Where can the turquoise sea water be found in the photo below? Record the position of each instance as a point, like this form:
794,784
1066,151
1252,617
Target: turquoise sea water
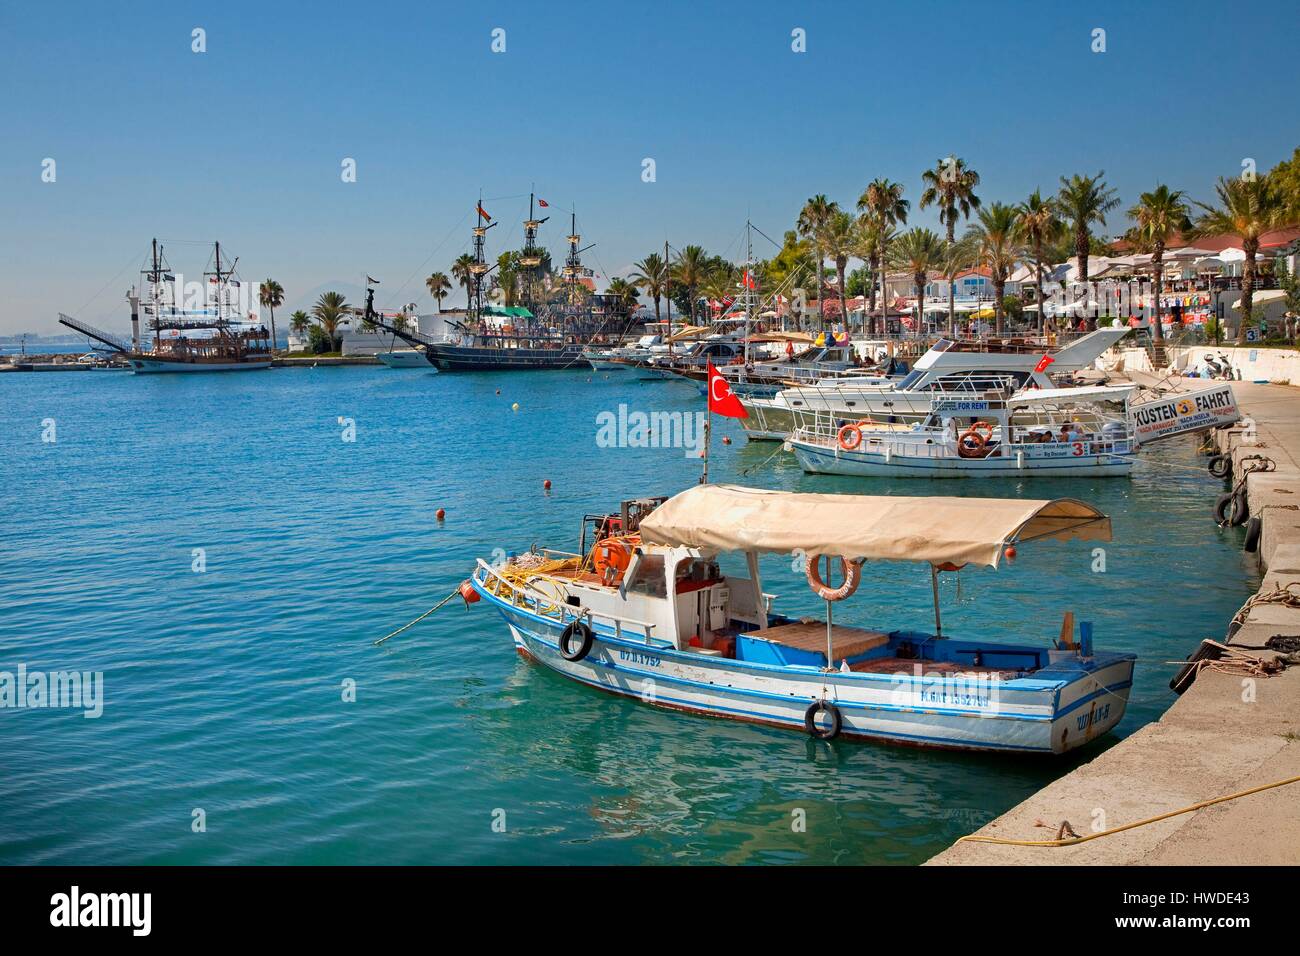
224,689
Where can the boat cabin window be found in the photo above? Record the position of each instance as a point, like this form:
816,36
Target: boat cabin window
648,578
909,380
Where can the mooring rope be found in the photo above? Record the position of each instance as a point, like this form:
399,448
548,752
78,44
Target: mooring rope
1074,840
454,592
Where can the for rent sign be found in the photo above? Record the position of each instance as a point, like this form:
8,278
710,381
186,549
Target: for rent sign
1186,412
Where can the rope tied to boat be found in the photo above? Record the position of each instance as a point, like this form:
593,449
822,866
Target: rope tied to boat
454,592
1284,594
1065,828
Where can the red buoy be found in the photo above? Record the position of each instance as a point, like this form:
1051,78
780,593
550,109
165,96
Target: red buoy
1011,552
440,514
546,485
467,593
726,439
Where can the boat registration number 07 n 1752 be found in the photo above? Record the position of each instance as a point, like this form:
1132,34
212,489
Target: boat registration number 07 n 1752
1094,716
636,657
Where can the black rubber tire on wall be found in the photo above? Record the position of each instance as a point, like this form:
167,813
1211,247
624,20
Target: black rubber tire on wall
1222,509
1220,466
810,720
582,631
1240,510
1253,528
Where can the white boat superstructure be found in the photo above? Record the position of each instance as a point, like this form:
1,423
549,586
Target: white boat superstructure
618,359
952,368
648,613
1034,433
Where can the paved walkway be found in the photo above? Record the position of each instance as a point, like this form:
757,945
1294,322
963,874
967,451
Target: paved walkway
1216,739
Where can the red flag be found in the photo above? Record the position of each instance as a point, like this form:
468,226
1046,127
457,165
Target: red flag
543,203
722,400
1043,362
483,212
749,282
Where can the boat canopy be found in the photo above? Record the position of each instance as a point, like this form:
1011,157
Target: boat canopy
690,332
1082,393
937,530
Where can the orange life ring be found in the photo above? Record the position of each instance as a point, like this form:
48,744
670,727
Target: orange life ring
972,441
612,555
852,571
853,432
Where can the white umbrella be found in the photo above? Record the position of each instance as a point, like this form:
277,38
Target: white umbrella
1263,297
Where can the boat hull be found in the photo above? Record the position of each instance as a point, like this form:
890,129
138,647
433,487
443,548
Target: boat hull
464,358
409,358
145,365
819,459
1053,713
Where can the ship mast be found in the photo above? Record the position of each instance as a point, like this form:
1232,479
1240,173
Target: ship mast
530,257
479,268
154,275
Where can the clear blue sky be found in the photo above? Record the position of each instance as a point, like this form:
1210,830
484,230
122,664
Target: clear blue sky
244,142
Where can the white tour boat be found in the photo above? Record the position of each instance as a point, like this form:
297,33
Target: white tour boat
648,613
1041,432
405,358
958,368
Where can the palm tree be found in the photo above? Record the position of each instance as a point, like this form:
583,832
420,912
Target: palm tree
996,234
1083,201
813,219
1247,209
951,187
461,270
918,251
841,239
1037,224
960,256
624,292
439,286
884,207
271,294
328,311
651,277
298,322
1160,215
691,270
507,278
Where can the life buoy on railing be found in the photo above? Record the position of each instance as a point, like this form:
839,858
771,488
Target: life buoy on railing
852,571
972,441
850,436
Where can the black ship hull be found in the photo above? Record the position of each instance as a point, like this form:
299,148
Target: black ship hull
476,358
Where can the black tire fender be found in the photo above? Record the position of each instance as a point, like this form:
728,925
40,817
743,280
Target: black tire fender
1222,509
582,631
1240,510
1253,528
810,720
1220,466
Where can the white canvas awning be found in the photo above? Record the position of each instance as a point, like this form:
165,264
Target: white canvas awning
935,530
1089,393
1263,297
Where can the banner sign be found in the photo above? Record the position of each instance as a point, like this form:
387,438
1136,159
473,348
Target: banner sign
1185,412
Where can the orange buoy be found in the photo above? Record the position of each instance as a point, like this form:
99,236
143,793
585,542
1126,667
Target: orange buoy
1011,552
726,439
468,593
546,485
440,514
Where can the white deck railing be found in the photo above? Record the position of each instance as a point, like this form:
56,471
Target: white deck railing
549,606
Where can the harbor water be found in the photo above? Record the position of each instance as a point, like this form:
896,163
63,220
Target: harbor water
225,549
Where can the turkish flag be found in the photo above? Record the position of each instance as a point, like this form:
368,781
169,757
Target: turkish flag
1043,362
722,400
543,203
483,212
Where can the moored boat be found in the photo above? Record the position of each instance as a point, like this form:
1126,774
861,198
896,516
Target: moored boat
1038,433
648,613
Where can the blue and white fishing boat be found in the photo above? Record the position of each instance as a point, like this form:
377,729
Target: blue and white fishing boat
647,612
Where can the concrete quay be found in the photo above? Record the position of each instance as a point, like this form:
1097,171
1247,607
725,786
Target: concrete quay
1225,734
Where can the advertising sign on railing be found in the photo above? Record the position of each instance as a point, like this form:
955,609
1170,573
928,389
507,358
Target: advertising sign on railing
1185,412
